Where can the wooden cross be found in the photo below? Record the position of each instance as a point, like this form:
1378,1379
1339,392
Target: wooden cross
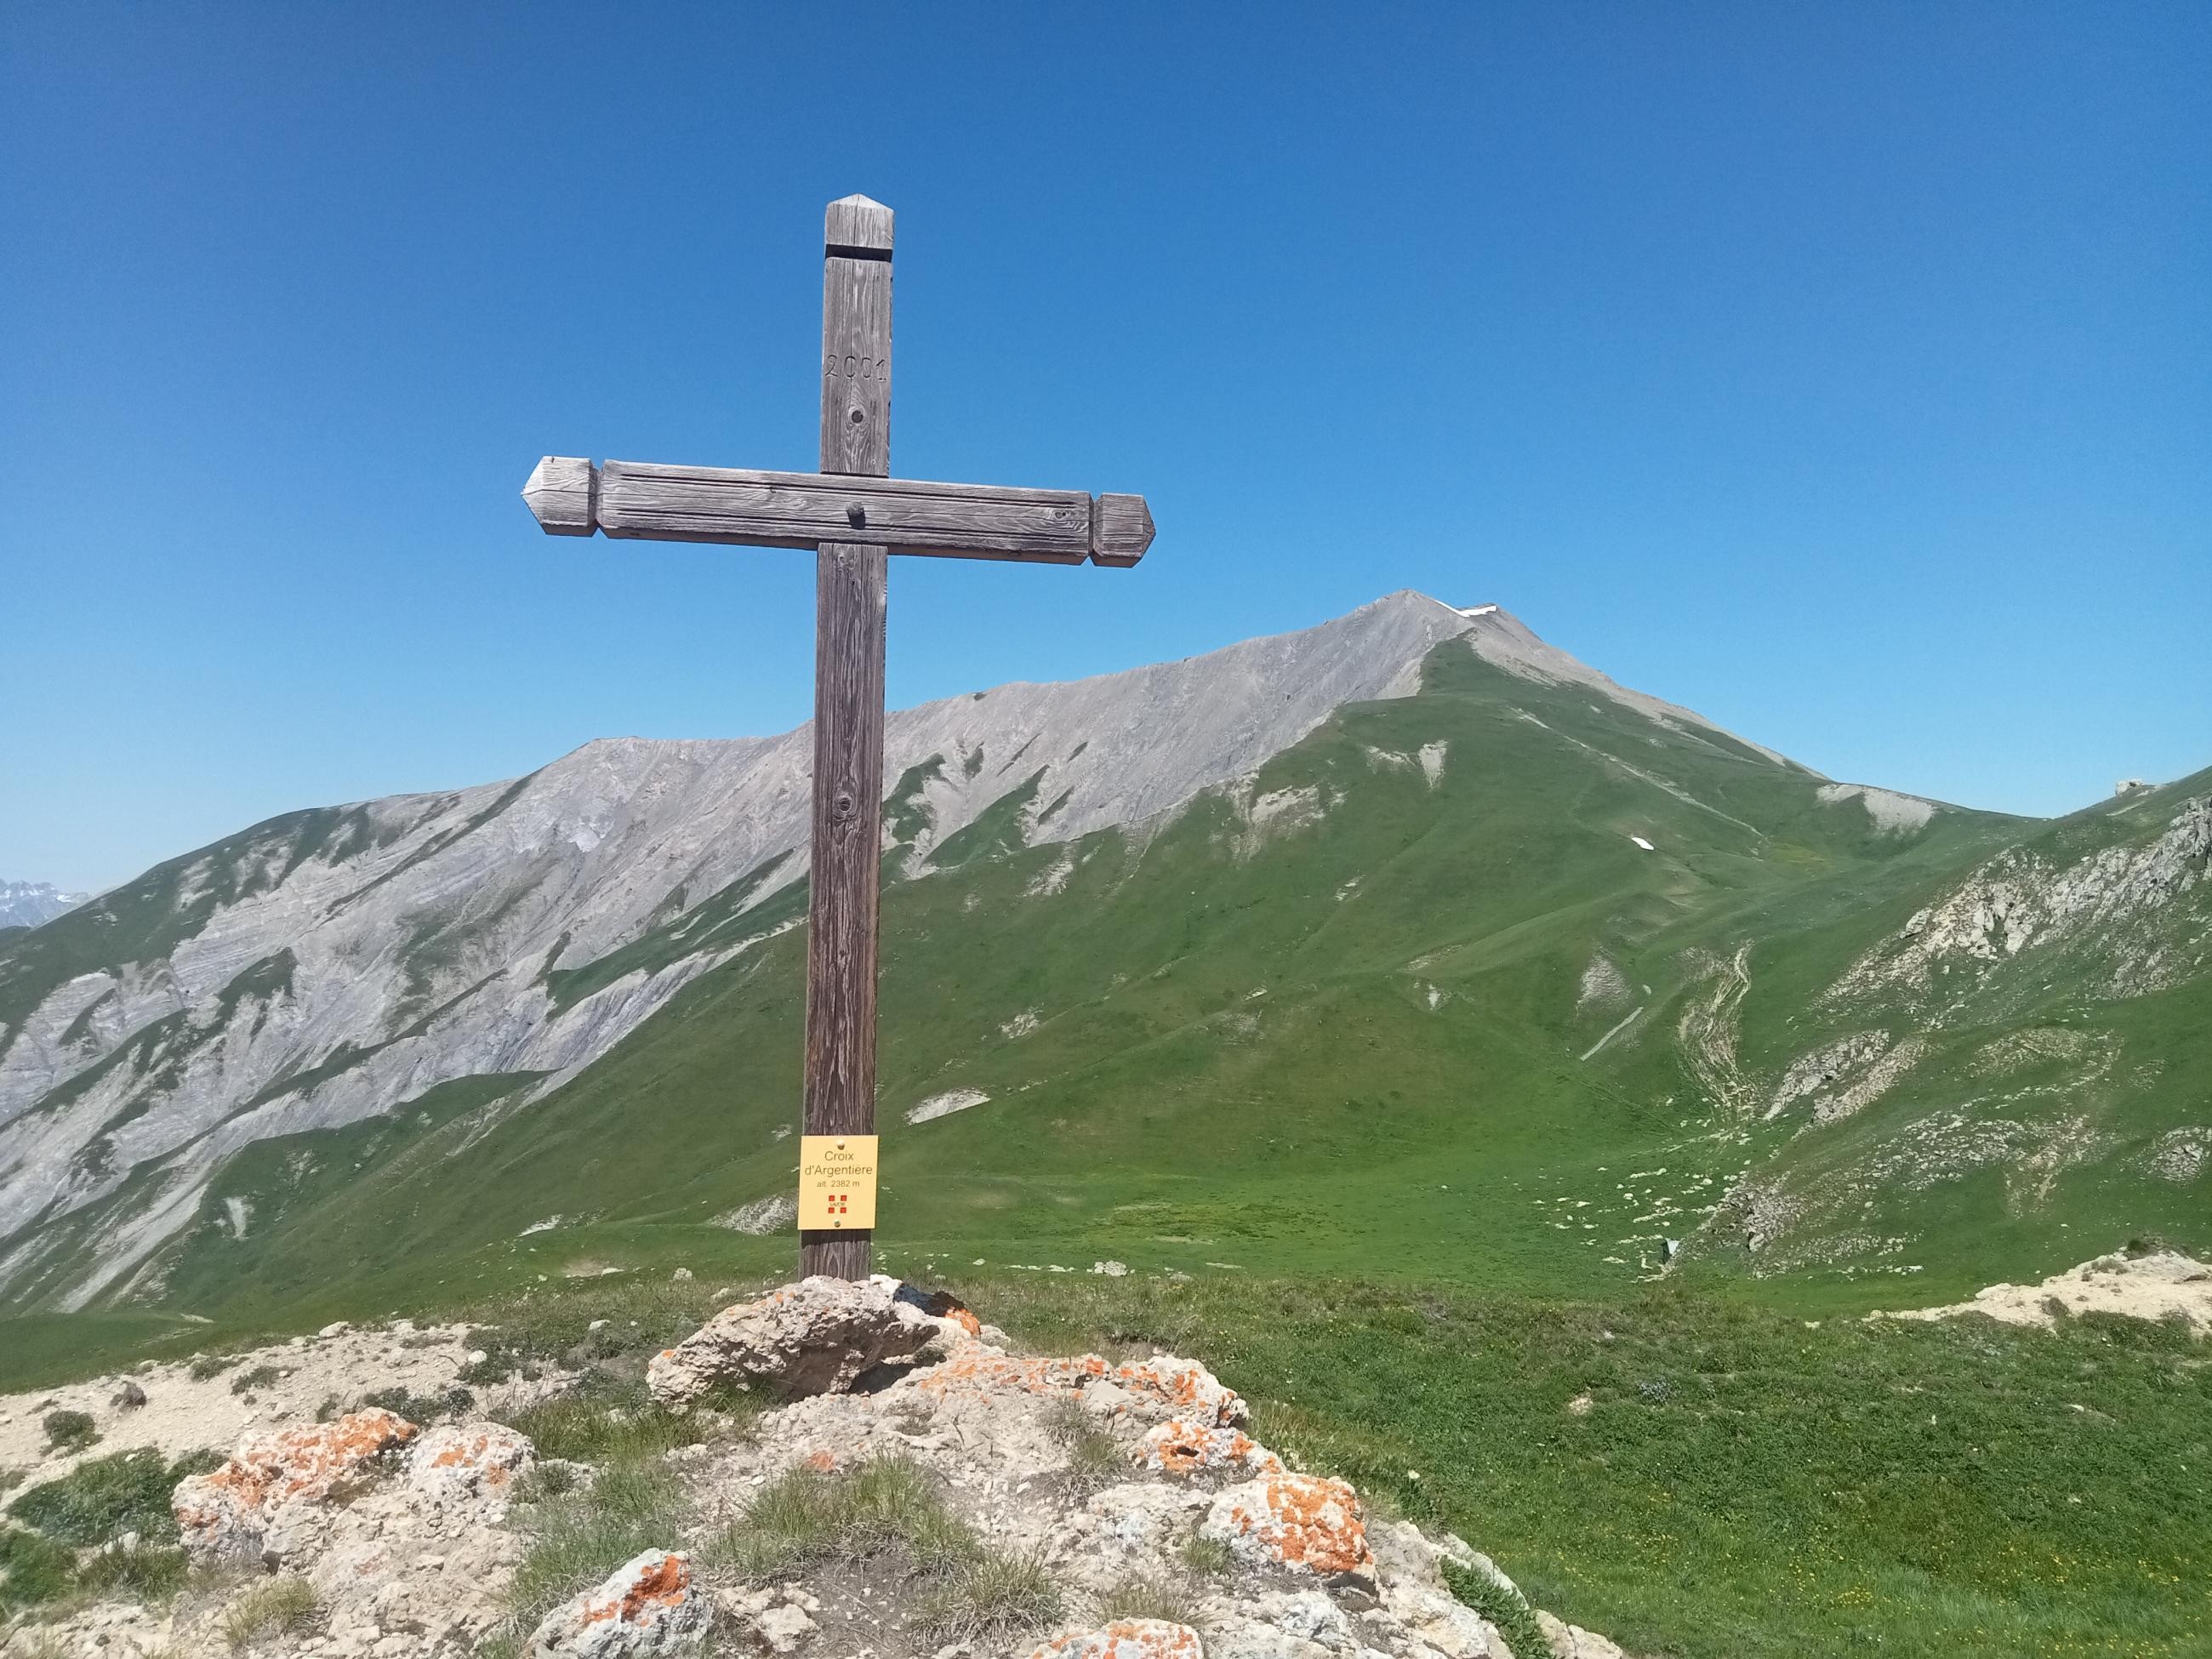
853,513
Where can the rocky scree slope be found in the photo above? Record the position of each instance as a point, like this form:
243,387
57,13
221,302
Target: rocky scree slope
324,969
921,1494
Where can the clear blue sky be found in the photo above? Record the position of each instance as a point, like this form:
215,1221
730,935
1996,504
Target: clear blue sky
1840,371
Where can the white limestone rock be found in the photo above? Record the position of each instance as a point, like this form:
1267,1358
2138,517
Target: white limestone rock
647,1608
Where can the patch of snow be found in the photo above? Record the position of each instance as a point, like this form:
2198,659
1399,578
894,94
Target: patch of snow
1020,1025
1644,844
1432,763
241,1211
1591,1052
544,1226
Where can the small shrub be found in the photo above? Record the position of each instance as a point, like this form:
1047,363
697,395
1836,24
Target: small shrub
283,1606
11,1478
206,1365
331,1410
259,1378
1514,1618
69,1431
104,1497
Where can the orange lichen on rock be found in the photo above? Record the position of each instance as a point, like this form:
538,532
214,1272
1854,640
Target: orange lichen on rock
1181,1447
1125,1638
646,1605
223,1511
821,1462
1301,1520
478,1460
644,1591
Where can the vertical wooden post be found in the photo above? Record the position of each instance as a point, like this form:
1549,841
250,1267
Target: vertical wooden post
849,709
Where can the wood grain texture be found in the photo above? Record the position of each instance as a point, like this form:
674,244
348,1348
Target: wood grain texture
1120,529
563,494
856,366
647,501
849,736
857,224
848,834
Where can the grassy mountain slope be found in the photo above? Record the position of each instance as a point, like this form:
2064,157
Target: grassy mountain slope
1412,1001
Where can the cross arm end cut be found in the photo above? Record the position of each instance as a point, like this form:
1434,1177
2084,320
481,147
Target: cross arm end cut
563,495
1121,529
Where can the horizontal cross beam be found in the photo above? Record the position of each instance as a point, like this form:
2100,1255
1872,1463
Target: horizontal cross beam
642,501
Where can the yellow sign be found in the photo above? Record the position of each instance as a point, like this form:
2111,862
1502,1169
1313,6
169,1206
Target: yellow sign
837,1182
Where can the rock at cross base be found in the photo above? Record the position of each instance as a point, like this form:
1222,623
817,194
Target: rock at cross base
818,1336
1125,1638
646,1609
1308,1520
227,1514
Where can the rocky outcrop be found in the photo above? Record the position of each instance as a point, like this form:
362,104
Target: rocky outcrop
1309,1522
232,1514
2107,907
1128,1501
818,1336
2157,1285
471,1464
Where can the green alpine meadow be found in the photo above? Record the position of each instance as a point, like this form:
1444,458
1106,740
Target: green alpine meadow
1521,1090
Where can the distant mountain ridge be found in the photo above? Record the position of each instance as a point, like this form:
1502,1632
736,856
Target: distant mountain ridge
320,967
29,904
1111,905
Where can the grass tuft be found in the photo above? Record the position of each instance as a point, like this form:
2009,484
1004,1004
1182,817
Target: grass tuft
144,1572
577,1539
101,1499
1094,1456
259,1378
454,1402
69,1431
33,1570
1167,1596
585,1429
991,1597
806,1518
1514,1618
285,1606
1208,1558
